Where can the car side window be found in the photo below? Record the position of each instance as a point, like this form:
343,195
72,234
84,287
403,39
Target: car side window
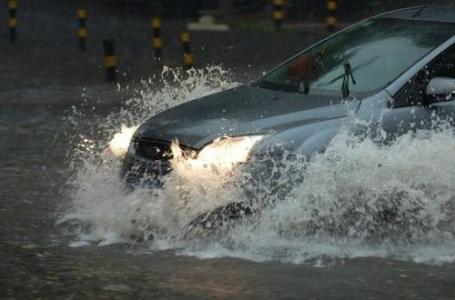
413,93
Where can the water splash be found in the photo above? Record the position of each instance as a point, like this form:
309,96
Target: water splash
119,144
100,203
359,198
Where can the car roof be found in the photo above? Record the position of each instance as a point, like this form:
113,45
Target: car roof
433,13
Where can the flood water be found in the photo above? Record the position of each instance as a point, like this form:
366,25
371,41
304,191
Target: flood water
66,219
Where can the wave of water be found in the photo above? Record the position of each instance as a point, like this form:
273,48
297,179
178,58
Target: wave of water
359,198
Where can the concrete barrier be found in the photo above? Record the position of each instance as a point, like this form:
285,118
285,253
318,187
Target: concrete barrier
185,38
278,13
12,21
110,60
157,40
331,20
82,31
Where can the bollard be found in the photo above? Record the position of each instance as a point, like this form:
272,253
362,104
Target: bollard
157,41
12,21
110,61
187,56
331,21
278,13
82,31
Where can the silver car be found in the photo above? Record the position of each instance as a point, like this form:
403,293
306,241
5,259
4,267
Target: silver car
395,71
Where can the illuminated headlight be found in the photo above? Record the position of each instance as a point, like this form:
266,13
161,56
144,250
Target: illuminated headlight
120,143
132,148
228,150
222,154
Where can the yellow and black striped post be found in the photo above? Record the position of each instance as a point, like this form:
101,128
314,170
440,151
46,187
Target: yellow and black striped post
157,40
278,13
82,31
331,20
185,37
110,60
12,21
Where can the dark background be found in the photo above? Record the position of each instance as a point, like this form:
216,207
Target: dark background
308,9
46,52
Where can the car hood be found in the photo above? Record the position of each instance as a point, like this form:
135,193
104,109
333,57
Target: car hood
243,110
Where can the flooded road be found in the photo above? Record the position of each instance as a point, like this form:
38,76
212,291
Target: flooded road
42,259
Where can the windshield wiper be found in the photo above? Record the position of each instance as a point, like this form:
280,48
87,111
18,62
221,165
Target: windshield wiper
423,8
346,76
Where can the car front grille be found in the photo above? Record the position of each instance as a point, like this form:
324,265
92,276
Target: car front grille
150,161
153,150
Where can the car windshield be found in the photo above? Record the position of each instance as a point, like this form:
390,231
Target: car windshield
376,51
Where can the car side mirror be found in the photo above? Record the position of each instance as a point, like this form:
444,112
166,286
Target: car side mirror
441,86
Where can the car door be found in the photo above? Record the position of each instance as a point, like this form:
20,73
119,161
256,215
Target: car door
443,66
412,109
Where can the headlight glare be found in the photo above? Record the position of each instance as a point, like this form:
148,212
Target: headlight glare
227,151
221,154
